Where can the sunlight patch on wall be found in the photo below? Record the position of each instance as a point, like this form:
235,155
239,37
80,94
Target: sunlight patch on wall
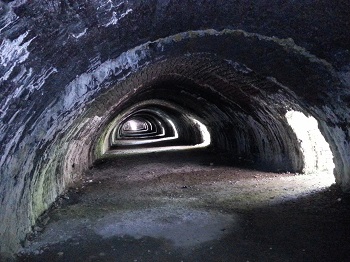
318,158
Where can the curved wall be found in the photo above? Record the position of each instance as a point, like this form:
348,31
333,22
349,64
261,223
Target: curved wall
68,67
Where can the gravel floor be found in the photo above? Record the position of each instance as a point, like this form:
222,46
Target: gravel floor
193,207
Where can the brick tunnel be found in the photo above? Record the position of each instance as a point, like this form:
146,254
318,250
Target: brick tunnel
88,82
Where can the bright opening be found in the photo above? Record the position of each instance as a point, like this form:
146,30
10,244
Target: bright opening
318,158
205,135
134,125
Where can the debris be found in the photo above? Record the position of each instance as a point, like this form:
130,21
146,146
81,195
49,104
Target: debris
26,243
37,252
45,221
38,229
65,197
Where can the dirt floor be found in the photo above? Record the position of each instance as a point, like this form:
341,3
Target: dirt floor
193,207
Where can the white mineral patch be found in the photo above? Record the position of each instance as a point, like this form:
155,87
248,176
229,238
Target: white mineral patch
18,3
8,20
39,81
27,81
116,17
109,5
80,89
80,34
239,67
13,53
10,17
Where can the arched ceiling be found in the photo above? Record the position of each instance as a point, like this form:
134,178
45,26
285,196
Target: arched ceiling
70,68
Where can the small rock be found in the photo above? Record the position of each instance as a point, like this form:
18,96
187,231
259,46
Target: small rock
26,243
60,254
45,221
102,254
38,229
339,199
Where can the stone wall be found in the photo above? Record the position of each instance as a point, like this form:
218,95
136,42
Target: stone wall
68,67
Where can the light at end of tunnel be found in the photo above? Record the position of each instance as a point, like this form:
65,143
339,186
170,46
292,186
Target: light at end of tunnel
205,141
318,158
134,125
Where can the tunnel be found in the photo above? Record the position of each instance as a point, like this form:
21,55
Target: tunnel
83,83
